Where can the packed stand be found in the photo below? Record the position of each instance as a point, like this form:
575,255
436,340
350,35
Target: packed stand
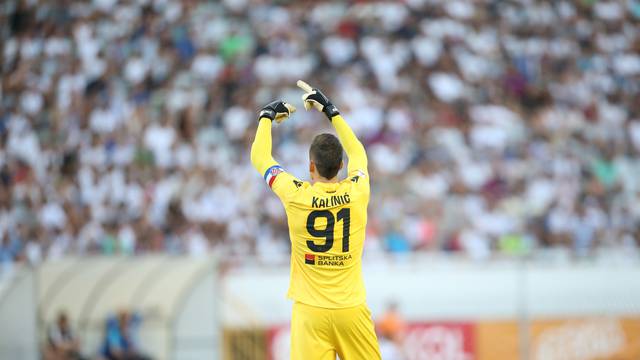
492,127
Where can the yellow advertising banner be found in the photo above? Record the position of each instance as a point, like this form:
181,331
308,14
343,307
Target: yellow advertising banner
594,338
497,340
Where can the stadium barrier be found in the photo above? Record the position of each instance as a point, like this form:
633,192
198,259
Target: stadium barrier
454,309
578,338
464,310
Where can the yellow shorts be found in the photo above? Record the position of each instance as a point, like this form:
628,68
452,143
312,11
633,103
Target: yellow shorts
319,333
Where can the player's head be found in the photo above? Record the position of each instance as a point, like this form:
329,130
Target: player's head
325,157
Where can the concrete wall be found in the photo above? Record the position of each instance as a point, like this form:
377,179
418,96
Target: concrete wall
432,289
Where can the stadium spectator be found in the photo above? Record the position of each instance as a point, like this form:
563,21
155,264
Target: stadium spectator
493,127
120,341
391,329
62,343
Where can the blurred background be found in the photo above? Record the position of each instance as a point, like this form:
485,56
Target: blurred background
503,141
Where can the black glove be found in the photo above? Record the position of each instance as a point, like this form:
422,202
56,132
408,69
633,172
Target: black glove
277,110
315,98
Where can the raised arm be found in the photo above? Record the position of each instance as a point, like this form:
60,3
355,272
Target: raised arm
261,157
352,146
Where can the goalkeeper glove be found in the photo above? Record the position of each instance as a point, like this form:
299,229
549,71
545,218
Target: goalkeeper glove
315,98
277,110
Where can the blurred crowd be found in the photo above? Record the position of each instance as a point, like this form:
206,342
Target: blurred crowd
492,127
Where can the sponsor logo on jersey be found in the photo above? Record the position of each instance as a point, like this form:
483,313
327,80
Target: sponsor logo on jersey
333,260
309,259
326,260
271,173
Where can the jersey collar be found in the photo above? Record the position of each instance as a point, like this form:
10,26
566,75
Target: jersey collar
326,186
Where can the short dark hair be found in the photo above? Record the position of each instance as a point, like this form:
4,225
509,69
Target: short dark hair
326,153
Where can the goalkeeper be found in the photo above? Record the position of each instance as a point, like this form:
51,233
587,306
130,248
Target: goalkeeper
327,218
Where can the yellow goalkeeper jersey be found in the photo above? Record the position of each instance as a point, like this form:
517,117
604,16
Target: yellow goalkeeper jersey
327,223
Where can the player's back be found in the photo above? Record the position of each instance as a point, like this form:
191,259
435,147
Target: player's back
327,225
